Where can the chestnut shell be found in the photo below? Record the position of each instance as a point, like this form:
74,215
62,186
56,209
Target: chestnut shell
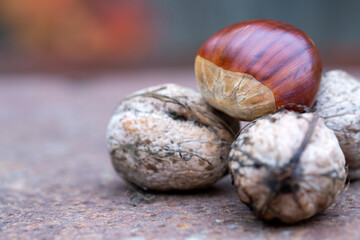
280,56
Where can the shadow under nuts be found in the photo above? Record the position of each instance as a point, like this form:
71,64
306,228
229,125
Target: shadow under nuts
167,138
288,166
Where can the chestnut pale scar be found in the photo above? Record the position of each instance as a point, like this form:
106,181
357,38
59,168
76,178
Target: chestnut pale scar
235,93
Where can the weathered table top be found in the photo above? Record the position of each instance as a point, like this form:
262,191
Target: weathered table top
56,179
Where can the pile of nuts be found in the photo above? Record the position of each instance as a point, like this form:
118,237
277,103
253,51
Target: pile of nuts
289,163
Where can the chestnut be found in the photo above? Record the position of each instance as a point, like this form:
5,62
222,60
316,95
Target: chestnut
253,68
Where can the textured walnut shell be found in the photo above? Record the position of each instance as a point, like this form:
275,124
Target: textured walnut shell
339,104
252,68
167,138
288,166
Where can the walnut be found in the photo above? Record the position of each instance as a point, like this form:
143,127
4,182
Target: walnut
339,104
167,138
288,166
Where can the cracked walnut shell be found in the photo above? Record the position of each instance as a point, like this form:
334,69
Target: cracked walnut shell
167,138
288,166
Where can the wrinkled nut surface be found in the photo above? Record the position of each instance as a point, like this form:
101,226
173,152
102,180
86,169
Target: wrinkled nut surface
287,166
339,104
167,138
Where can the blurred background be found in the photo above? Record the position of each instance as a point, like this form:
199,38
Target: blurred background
64,66
117,35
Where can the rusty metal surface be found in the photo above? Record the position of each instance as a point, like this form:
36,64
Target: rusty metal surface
56,179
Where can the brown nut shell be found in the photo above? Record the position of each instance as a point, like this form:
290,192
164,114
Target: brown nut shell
288,166
339,104
167,138
279,56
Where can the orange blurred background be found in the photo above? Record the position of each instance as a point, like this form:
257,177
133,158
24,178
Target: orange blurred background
78,32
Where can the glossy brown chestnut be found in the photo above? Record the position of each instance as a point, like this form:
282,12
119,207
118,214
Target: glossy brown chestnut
252,68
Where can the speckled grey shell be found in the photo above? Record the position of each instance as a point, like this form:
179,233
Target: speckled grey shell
167,138
283,172
339,104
